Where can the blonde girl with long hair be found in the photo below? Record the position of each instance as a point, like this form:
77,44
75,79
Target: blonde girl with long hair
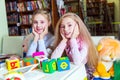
73,38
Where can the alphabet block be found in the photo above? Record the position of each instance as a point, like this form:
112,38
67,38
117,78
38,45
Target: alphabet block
29,61
40,59
49,66
63,63
12,64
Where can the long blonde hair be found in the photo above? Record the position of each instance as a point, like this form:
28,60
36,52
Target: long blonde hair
84,35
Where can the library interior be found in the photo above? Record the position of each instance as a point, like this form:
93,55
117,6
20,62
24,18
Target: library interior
17,20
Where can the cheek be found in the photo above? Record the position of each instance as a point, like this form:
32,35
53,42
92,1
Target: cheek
62,30
71,29
35,29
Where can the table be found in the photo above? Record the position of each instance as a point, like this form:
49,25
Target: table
75,73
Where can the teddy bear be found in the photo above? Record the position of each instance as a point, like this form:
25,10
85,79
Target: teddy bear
108,52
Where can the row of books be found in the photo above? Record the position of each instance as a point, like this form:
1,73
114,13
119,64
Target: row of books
13,31
39,4
13,18
26,31
26,19
11,6
27,6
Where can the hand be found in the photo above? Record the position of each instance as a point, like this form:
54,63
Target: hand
75,32
64,39
44,33
35,34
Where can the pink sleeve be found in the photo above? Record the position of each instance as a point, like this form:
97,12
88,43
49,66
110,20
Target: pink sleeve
78,56
59,50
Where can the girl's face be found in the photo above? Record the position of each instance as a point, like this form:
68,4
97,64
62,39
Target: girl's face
67,27
40,22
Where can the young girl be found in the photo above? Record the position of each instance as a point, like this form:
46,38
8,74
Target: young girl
40,38
73,37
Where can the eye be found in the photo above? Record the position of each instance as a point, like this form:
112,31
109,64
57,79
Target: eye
35,22
111,55
69,25
42,22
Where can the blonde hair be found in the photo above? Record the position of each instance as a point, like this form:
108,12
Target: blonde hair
84,35
43,12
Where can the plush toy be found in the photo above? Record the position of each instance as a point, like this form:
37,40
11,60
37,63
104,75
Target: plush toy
108,52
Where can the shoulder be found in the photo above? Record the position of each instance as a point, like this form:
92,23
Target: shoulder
49,36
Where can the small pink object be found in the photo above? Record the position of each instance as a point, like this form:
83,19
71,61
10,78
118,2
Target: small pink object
38,54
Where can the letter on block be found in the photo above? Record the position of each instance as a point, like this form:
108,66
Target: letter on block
12,64
49,66
29,61
63,63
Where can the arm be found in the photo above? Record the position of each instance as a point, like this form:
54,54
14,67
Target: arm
78,56
42,46
59,50
32,48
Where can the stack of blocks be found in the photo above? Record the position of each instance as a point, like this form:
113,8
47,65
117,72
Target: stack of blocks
29,61
50,66
12,64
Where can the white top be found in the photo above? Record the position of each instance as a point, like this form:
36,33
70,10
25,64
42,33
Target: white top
41,45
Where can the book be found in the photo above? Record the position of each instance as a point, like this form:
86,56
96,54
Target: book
21,7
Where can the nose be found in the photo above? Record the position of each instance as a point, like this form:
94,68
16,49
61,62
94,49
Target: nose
38,25
66,28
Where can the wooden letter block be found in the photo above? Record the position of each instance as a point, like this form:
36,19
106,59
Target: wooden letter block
49,66
63,63
40,59
12,64
29,61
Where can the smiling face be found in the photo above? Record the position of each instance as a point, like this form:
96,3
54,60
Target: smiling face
39,23
67,27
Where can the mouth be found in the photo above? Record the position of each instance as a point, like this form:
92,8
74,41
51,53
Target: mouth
67,33
39,30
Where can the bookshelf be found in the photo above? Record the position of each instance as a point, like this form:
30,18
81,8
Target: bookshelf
100,15
70,6
73,6
19,14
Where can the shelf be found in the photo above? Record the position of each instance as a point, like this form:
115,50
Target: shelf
70,1
100,15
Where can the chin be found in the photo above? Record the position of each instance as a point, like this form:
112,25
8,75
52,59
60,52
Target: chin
68,37
39,32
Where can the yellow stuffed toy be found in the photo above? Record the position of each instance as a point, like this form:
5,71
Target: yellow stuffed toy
108,52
